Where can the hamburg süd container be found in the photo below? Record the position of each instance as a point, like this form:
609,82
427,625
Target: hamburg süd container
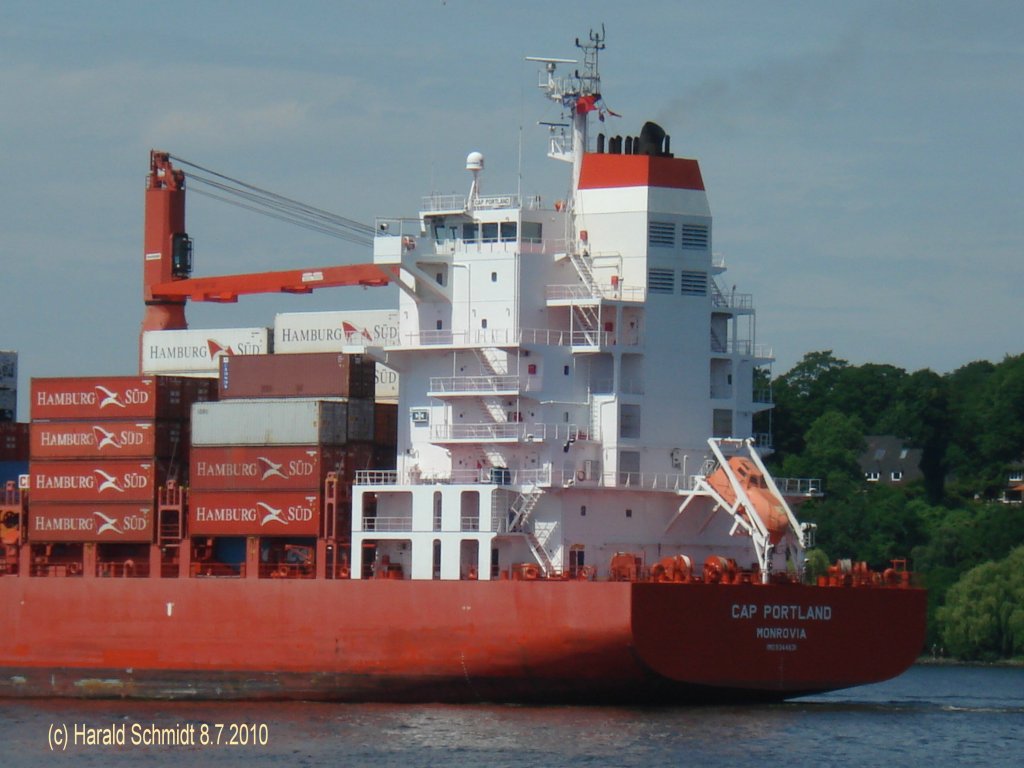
254,513
109,439
92,480
192,351
292,421
264,467
105,521
118,397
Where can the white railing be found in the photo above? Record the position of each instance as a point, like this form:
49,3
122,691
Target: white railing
402,523
509,430
544,478
648,481
482,476
484,384
505,337
799,486
433,203
581,293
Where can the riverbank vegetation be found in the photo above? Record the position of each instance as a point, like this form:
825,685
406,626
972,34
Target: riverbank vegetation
957,525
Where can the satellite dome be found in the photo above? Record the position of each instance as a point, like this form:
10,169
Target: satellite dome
475,161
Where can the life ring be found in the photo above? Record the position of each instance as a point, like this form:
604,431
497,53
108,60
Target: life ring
408,243
129,568
585,573
343,572
471,574
531,573
581,475
74,569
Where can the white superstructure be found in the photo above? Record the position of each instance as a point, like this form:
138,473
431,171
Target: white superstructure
562,370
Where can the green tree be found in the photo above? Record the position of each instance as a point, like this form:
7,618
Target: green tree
983,618
800,397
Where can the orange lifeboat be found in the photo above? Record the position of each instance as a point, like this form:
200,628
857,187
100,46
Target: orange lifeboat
767,508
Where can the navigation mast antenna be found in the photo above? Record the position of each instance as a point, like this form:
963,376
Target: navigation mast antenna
578,95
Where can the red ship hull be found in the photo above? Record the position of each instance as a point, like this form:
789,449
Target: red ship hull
449,641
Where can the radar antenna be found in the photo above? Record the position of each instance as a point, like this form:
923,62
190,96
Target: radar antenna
578,95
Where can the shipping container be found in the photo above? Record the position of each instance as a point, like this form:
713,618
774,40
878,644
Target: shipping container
8,370
8,405
10,471
14,441
385,385
315,374
109,439
297,332
199,352
95,480
90,522
247,513
360,420
385,424
118,397
271,467
331,331
293,421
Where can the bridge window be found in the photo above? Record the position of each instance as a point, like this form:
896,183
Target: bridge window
508,231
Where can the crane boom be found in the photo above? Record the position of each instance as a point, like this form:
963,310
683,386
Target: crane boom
167,260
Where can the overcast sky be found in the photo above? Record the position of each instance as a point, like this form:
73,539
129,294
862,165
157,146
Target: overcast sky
863,159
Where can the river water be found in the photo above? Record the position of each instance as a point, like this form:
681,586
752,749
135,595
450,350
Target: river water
932,715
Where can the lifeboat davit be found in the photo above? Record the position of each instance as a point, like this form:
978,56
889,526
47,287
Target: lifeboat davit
766,506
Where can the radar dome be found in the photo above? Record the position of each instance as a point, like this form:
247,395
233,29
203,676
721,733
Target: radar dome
475,161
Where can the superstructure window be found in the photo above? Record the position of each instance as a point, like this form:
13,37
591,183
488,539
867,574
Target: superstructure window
508,231
531,231
695,236
661,280
661,234
693,283
470,232
489,231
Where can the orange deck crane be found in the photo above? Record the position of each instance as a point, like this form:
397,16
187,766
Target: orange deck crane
167,260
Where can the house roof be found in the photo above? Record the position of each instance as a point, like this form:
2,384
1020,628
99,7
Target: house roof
888,454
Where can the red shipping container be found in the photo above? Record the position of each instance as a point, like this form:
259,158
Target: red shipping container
271,467
109,439
92,481
90,522
312,374
118,397
254,513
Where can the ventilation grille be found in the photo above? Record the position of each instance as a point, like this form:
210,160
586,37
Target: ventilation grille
661,280
694,283
695,236
661,234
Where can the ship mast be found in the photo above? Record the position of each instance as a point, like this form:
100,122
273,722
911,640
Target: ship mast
578,95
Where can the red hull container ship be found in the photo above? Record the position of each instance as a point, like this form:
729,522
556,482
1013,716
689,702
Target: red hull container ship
567,502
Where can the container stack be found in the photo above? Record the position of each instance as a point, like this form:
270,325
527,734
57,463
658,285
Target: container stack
261,454
305,332
101,447
13,436
8,387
